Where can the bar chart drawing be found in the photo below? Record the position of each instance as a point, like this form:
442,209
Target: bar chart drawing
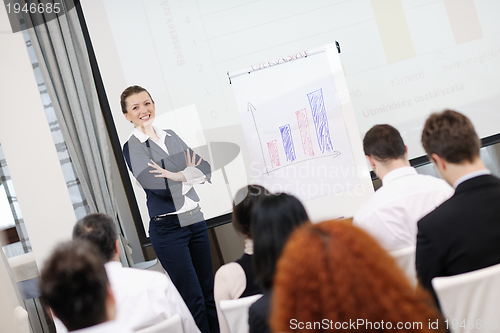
286,132
273,153
320,120
297,137
286,136
305,132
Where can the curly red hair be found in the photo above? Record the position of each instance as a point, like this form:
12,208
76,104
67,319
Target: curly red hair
335,271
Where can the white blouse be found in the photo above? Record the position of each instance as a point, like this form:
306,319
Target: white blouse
230,283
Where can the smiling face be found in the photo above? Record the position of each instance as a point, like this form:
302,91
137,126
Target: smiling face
140,109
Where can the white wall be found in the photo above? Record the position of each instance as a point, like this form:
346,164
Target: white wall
29,150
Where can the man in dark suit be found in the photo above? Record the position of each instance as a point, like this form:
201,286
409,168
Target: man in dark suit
463,234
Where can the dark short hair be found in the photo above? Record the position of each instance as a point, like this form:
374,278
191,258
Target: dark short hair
243,203
74,283
451,136
100,230
383,142
273,220
129,91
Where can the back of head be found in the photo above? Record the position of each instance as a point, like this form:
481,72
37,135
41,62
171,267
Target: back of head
100,230
243,203
273,220
74,283
383,142
336,271
451,135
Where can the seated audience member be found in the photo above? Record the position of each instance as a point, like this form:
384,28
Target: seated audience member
273,220
236,279
75,285
333,275
143,298
463,234
392,213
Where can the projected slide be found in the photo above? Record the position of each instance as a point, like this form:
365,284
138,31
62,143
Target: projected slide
401,59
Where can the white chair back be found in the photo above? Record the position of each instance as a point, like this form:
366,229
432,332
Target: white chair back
236,313
22,321
470,301
171,325
12,316
406,261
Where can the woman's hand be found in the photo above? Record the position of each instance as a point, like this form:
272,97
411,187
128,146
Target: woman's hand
160,172
191,160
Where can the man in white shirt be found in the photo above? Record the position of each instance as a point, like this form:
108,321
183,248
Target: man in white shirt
391,215
143,298
75,285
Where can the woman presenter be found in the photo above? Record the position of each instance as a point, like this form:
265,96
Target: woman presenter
167,168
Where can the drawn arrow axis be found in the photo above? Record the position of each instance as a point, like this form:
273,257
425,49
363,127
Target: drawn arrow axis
252,108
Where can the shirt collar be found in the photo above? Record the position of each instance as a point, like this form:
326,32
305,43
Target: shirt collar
248,246
113,264
108,326
471,175
144,137
398,173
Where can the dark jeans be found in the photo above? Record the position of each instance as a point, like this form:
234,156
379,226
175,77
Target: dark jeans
184,253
